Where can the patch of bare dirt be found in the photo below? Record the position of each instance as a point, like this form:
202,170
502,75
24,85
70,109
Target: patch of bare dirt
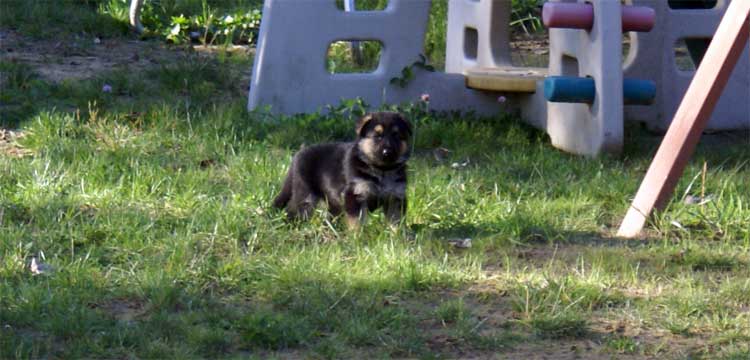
126,310
530,50
9,145
491,306
535,45
79,58
83,57
495,316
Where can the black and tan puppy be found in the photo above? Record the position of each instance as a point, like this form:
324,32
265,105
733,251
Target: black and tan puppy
352,177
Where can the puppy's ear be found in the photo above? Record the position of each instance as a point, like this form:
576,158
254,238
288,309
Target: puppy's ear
406,123
362,122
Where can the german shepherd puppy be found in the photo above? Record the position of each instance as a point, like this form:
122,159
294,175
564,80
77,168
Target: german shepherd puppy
352,177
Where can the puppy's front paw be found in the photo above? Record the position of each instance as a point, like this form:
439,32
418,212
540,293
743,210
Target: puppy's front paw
402,232
352,223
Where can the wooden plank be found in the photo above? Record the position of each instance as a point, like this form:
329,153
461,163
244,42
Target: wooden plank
504,79
691,117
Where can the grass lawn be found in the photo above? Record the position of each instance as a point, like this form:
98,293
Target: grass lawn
149,208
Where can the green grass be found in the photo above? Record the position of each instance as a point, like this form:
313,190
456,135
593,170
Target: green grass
151,203
47,19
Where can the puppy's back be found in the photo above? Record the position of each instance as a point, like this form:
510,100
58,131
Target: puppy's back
319,168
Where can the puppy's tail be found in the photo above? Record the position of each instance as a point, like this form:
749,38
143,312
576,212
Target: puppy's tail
286,193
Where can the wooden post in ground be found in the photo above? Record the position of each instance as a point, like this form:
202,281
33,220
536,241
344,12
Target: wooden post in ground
691,117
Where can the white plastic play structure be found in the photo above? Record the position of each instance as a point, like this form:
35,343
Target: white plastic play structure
581,99
653,57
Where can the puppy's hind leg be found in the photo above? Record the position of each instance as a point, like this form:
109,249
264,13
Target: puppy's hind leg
302,203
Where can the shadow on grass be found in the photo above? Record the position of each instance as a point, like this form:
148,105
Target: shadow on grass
534,235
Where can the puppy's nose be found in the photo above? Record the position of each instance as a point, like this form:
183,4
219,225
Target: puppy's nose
387,152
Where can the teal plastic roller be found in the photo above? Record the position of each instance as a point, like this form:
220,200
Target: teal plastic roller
569,89
639,92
